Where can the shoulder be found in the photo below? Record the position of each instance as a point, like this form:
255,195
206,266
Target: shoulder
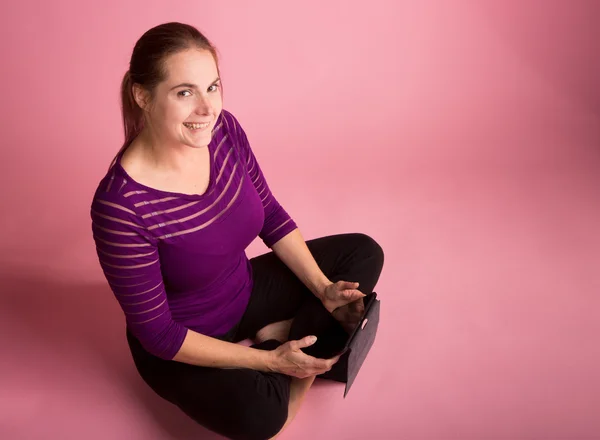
228,119
233,129
114,192
231,123
114,213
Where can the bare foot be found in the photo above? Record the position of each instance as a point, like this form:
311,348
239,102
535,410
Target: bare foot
277,330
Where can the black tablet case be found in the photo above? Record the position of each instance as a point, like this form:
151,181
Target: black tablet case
314,319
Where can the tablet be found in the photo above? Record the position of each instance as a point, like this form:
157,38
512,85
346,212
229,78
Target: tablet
333,338
360,321
352,340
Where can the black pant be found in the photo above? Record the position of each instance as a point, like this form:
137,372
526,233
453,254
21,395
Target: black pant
244,403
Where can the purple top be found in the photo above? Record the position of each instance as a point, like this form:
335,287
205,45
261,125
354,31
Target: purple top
177,261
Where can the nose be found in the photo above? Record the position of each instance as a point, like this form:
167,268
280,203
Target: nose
203,106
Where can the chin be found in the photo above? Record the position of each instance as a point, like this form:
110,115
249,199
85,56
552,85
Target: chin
199,144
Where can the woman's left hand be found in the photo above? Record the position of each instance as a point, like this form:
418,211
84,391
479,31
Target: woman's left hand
339,294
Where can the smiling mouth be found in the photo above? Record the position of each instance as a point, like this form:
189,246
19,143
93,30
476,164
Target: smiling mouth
196,126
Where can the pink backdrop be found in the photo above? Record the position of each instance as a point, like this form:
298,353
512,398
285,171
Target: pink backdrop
464,136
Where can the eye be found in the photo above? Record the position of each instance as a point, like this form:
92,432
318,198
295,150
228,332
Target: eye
214,87
184,91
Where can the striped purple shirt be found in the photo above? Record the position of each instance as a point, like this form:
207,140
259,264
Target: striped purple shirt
177,261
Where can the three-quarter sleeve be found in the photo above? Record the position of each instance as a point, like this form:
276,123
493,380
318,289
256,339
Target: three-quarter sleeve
278,223
128,255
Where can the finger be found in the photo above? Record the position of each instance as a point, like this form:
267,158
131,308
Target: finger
321,365
353,294
347,285
332,362
353,306
327,363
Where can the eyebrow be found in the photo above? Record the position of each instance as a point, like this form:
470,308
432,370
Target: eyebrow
192,86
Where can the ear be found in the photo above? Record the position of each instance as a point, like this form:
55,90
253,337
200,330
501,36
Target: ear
141,96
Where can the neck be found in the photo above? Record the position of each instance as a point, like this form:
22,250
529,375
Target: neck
170,157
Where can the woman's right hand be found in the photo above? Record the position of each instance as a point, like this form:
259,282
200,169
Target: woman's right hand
289,359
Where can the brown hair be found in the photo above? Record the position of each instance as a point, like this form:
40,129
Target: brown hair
147,68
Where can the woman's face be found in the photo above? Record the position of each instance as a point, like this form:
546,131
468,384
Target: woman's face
188,102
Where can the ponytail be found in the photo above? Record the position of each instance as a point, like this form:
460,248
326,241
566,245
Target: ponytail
133,117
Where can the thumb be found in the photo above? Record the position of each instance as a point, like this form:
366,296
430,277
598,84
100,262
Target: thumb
307,341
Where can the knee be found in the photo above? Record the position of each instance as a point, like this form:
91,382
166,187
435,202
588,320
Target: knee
243,419
370,248
262,421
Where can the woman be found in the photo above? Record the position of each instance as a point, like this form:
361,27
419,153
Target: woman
171,220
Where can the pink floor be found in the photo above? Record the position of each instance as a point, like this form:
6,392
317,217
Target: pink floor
490,320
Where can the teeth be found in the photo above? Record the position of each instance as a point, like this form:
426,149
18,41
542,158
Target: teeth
196,126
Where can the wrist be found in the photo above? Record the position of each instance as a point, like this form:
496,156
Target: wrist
327,302
268,361
319,289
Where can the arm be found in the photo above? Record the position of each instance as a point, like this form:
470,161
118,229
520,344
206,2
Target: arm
281,234
277,223
202,350
279,231
294,252
129,258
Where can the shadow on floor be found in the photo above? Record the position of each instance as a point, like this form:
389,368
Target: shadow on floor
84,318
